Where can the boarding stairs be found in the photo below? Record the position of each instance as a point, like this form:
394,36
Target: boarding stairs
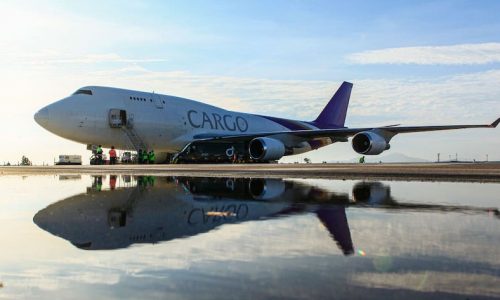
135,140
118,118
117,216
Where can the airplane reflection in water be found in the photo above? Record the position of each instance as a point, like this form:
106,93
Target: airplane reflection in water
155,209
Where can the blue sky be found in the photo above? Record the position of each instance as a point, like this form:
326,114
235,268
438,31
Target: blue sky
291,39
411,62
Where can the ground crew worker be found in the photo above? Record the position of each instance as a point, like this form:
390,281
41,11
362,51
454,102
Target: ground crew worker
112,156
112,182
145,157
98,152
139,156
97,183
362,160
151,157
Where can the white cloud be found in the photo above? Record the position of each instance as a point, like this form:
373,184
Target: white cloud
463,54
471,96
466,98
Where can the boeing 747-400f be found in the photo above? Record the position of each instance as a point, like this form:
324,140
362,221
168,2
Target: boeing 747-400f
194,132
148,209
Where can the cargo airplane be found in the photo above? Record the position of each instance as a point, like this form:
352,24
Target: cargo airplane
168,208
149,210
184,130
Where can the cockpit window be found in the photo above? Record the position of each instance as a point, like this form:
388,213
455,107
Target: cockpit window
86,92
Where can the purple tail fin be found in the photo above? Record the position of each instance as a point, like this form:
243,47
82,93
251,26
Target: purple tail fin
334,113
335,220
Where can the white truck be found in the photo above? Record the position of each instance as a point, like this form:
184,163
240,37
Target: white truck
69,160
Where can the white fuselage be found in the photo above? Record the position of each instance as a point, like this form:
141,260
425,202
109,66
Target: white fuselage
157,213
164,123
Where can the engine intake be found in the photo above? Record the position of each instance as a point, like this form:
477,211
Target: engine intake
265,189
373,193
369,143
265,149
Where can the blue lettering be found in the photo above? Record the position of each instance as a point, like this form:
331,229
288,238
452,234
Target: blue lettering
225,118
206,119
190,118
239,213
191,215
242,124
233,207
217,121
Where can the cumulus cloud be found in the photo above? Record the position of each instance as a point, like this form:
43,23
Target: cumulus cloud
473,96
461,98
462,54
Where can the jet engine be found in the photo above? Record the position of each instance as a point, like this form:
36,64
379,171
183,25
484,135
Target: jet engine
370,143
265,189
264,148
373,193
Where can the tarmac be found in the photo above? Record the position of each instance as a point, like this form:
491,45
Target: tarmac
472,172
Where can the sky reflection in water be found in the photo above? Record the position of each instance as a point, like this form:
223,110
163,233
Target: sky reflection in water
186,237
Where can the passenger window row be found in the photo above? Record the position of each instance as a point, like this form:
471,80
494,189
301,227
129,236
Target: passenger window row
143,99
138,237
140,99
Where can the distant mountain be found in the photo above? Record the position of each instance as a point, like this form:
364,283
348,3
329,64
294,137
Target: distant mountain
389,158
394,158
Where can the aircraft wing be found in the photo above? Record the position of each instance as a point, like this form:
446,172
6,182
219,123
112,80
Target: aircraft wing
340,133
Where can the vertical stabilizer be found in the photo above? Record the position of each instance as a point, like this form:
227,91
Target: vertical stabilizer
335,221
334,113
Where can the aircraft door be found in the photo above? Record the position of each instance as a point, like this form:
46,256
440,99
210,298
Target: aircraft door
159,102
117,118
123,117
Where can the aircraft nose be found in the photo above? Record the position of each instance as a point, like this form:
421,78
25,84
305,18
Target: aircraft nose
42,219
42,116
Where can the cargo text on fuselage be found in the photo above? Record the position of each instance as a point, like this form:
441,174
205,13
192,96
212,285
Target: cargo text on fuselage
216,121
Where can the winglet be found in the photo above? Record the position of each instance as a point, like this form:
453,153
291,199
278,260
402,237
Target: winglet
495,124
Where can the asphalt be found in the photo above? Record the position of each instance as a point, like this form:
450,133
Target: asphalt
476,172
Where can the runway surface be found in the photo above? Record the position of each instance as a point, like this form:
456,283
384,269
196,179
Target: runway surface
487,172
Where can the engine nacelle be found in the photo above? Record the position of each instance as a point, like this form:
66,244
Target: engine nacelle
369,143
265,189
265,148
373,193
